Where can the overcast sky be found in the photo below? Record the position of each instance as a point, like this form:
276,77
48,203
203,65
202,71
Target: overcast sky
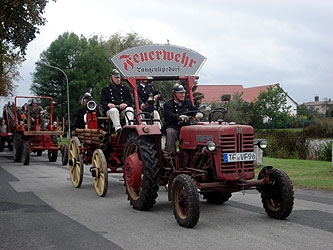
257,42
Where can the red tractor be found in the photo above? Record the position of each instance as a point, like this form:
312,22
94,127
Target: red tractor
214,159
6,129
28,136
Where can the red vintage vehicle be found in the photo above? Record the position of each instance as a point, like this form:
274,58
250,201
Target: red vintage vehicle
215,158
6,132
29,137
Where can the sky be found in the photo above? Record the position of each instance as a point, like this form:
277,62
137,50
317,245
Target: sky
247,42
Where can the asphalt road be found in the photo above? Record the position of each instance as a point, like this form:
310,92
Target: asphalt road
40,209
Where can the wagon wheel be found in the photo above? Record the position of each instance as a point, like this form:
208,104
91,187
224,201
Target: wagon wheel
185,201
278,195
141,171
99,171
26,153
75,162
64,155
17,147
53,153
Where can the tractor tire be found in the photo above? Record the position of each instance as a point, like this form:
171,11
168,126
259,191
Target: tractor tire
64,156
100,168
185,201
53,153
26,153
142,197
17,147
2,144
39,152
278,196
217,198
75,160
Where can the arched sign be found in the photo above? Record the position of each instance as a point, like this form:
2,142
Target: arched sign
158,60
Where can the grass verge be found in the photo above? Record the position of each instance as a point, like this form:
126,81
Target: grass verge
305,173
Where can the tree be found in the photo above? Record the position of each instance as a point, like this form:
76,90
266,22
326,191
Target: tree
19,26
85,62
273,105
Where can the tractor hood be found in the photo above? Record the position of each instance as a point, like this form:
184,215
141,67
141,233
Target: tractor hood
198,135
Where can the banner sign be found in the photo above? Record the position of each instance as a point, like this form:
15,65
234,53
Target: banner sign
158,60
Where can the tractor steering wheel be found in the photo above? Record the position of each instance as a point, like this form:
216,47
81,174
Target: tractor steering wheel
223,112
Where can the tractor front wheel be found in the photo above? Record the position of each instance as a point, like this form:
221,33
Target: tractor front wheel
99,171
53,153
26,153
17,147
141,171
185,201
75,162
278,195
64,155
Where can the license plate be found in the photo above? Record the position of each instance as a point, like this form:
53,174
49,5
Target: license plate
235,157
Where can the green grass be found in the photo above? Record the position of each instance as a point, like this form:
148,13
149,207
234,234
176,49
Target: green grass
305,173
63,141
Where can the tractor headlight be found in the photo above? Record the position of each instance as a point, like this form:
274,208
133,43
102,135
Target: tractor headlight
55,124
211,146
91,105
262,144
21,122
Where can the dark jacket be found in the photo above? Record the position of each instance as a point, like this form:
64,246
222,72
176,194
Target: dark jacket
143,95
115,94
172,110
79,122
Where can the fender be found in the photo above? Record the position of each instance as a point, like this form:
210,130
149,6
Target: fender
141,130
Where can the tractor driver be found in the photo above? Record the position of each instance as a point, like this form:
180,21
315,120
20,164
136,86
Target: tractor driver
145,90
34,110
173,118
116,99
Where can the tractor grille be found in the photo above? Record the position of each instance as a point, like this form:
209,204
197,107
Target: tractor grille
236,143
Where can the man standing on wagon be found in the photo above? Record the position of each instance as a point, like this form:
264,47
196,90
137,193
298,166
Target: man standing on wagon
145,89
116,100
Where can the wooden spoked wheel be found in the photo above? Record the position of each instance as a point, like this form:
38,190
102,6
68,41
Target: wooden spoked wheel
100,172
75,162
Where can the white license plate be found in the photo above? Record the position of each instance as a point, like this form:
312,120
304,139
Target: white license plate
235,157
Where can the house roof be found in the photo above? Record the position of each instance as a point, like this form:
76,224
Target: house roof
213,93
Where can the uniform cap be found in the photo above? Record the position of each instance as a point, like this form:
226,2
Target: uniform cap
86,97
115,73
178,88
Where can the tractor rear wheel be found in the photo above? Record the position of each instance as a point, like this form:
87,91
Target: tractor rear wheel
75,162
185,201
17,147
26,153
217,197
53,153
141,171
278,196
64,156
100,172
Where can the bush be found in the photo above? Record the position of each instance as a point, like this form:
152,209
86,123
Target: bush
323,128
284,144
325,151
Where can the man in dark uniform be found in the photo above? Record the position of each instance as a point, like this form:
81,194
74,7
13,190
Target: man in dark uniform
34,110
145,89
82,111
174,121
116,99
